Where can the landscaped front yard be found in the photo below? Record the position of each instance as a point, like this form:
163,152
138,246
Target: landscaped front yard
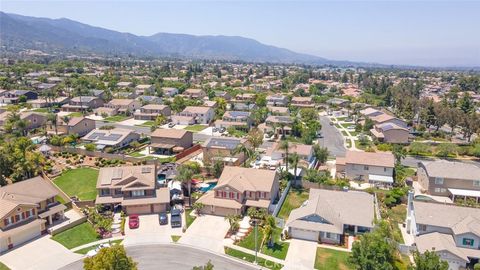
195,128
87,249
295,198
189,218
327,259
278,250
79,182
251,258
116,118
79,235
3,267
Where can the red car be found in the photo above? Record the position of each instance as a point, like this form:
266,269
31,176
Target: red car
133,221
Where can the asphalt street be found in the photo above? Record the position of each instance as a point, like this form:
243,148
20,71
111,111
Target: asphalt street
174,256
332,138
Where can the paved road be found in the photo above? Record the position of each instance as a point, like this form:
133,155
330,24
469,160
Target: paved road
173,256
332,138
413,161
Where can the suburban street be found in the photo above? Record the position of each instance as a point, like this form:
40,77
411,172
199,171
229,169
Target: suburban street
332,138
173,256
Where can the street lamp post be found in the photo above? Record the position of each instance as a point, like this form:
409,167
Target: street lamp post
255,222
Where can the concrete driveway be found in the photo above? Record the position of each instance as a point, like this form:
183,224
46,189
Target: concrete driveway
150,231
207,232
40,254
301,255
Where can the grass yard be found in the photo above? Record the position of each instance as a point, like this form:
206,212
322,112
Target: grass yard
327,259
279,249
75,114
251,258
87,249
116,118
137,154
3,267
79,235
147,124
40,110
295,198
175,238
195,128
344,133
189,217
79,182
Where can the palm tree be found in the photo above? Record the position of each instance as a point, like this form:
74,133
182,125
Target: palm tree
184,175
52,118
294,159
268,230
285,146
247,152
320,153
233,221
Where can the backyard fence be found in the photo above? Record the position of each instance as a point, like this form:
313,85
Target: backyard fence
282,199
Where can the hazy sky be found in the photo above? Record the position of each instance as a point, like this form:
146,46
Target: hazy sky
433,33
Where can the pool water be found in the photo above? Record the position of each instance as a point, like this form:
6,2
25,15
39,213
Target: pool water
161,179
210,186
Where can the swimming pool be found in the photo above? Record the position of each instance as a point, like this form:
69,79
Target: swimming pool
161,179
210,186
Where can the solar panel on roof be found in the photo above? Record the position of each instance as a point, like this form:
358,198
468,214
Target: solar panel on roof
111,137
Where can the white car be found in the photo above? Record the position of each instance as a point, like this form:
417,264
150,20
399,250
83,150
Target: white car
94,252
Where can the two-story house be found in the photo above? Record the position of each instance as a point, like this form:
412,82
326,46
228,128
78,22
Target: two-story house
83,103
15,96
170,141
134,188
194,115
390,133
150,112
124,105
169,91
457,180
27,208
192,93
75,125
238,119
375,168
33,120
144,89
329,214
279,124
222,148
277,100
239,188
302,102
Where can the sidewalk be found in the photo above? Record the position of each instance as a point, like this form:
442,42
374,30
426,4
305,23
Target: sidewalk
260,255
97,243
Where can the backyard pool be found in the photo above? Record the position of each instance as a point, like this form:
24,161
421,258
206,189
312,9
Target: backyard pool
208,186
161,179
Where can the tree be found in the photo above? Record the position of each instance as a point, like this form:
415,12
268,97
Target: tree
294,159
284,145
198,206
247,152
52,118
399,153
208,266
417,148
429,260
255,138
233,221
113,257
320,153
184,175
268,229
446,149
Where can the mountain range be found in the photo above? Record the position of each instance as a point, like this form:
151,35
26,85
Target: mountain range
67,36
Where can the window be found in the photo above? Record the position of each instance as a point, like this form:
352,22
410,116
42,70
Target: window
476,183
138,193
365,168
438,181
328,235
384,169
8,221
440,190
422,227
468,242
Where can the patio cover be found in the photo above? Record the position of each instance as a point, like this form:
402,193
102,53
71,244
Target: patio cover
380,178
464,192
53,210
162,145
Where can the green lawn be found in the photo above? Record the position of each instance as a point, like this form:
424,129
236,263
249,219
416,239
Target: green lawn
195,128
147,124
295,198
79,235
327,259
116,118
3,267
189,218
75,114
137,154
175,238
79,182
87,249
279,249
344,133
251,258
40,110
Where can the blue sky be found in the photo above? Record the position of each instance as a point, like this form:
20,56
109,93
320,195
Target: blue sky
432,33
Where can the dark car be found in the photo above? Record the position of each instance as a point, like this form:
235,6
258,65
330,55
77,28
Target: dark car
176,219
133,221
163,218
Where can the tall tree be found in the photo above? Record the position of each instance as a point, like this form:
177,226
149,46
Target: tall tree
247,152
284,145
429,260
113,257
184,175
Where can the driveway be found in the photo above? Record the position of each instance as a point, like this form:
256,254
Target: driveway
40,254
301,255
206,232
150,232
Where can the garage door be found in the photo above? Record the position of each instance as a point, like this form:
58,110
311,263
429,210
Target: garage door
304,234
139,209
26,235
220,211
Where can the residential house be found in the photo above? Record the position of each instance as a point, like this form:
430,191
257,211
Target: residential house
237,119
223,94
169,91
144,89
278,110
124,105
340,102
33,119
199,115
376,168
170,141
149,99
222,148
390,133
240,106
125,95
42,102
75,125
45,86
302,102
150,112
277,100
276,155
113,138
15,96
239,188
457,180
194,93
245,98
329,215
280,125
133,188
83,103
124,85
27,208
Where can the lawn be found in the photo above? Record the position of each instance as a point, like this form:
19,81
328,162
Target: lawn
40,110
295,198
189,217
75,114
195,128
251,258
147,124
279,249
175,238
79,235
326,259
116,118
79,182
87,249
137,154
3,267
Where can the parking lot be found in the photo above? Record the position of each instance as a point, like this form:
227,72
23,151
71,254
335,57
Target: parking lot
150,231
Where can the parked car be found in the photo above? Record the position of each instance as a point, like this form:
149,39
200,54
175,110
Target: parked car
163,218
178,207
176,219
171,125
215,129
133,221
222,130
